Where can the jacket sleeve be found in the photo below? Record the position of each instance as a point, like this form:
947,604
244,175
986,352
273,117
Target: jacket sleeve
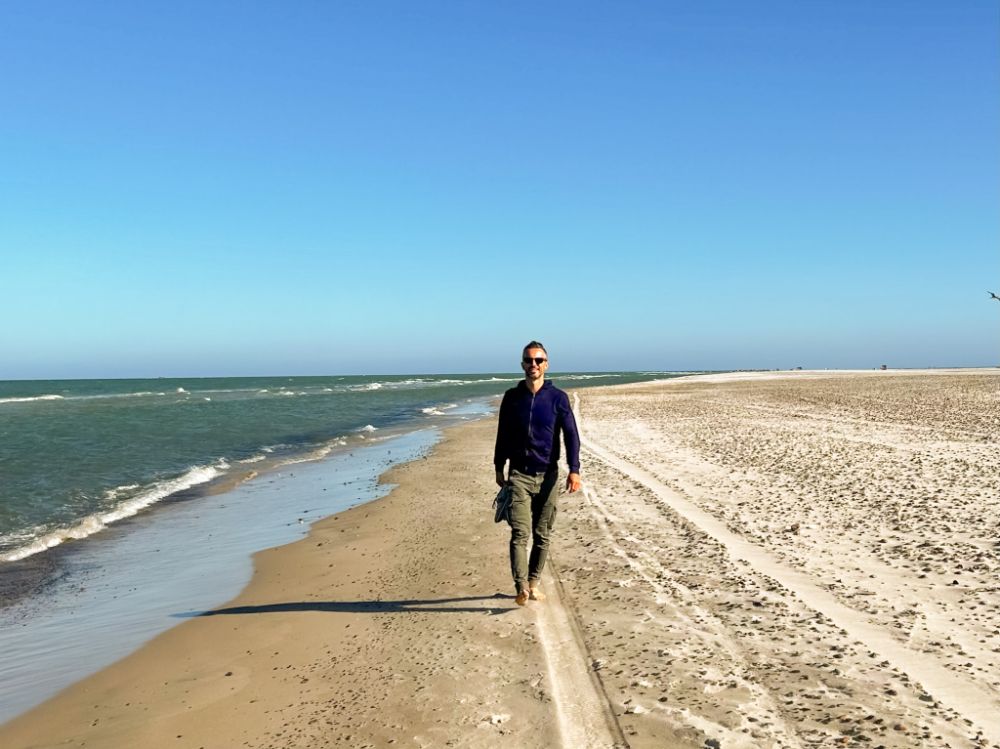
500,450
570,435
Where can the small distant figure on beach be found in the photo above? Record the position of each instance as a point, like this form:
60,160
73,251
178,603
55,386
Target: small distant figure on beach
532,416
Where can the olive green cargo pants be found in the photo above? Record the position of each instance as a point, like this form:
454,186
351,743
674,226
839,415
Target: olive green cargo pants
532,514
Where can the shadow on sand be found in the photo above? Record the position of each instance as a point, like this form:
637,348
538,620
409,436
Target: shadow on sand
437,606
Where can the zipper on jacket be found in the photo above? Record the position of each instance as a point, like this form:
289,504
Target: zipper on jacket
531,412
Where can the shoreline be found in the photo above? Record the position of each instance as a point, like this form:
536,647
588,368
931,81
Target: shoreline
208,437
312,619
234,473
106,596
29,574
393,622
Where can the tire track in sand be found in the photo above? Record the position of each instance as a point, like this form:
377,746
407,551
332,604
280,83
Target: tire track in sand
583,713
644,563
962,695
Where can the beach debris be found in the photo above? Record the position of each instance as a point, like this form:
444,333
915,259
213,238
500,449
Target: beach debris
635,710
713,744
499,718
598,664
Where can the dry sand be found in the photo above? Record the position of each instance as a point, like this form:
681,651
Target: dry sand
808,560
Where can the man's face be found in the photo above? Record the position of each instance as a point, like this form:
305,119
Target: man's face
534,362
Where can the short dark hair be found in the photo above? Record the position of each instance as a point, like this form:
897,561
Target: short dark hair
534,344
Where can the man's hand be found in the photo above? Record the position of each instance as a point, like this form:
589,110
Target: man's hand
500,479
573,483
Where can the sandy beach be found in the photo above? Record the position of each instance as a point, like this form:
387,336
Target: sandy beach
804,559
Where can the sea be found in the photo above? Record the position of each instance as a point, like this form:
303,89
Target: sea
128,505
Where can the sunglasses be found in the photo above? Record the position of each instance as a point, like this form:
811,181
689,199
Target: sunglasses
537,360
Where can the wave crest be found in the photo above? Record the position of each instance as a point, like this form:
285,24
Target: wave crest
98,521
29,398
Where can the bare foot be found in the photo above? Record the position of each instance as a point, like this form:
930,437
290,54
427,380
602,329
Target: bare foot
522,598
535,593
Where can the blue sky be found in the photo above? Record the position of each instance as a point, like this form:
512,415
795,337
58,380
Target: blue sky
208,188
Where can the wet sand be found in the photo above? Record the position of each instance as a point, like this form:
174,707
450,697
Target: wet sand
807,560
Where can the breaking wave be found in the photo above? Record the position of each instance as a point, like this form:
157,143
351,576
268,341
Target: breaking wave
28,399
98,521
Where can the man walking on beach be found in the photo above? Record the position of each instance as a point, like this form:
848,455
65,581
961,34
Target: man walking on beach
531,417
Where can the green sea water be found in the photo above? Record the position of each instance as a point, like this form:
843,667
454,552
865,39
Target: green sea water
79,455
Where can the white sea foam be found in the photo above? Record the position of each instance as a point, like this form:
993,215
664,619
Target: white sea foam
227,390
28,399
106,396
477,382
101,396
99,521
584,376
368,428
370,386
119,490
254,459
438,410
15,538
428,382
317,454
380,438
